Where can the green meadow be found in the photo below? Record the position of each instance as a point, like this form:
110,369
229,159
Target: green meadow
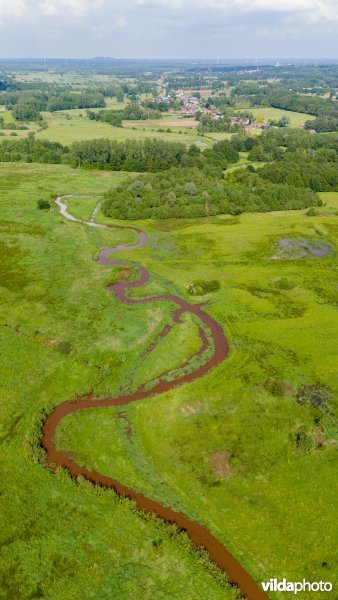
234,450
61,335
59,77
8,134
66,130
296,119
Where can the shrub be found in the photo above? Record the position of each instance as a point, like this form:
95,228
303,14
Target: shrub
284,284
64,347
190,188
303,440
275,387
199,287
43,204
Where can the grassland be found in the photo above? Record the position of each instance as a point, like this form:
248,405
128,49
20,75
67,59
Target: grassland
73,78
296,119
77,128
228,453
111,104
243,162
5,134
60,335
225,449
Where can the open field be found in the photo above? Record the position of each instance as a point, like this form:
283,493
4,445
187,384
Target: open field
111,104
64,130
175,122
243,162
66,77
5,134
296,119
218,136
234,450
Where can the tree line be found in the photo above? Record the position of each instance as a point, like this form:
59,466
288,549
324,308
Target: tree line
27,106
131,112
289,157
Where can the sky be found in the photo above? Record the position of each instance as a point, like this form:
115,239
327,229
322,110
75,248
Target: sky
169,28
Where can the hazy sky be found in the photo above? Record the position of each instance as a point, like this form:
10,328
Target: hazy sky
169,28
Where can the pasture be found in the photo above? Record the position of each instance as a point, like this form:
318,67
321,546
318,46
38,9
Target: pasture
67,129
296,119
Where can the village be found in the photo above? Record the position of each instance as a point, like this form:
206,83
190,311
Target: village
195,106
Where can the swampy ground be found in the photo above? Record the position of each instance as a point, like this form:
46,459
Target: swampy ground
248,450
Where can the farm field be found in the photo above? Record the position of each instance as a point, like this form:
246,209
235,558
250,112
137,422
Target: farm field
65,77
168,120
227,450
64,130
296,119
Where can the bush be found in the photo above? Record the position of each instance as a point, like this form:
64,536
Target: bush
43,204
199,287
64,347
190,188
284,284
275,387
303,440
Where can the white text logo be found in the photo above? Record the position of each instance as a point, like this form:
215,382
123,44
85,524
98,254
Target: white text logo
296,586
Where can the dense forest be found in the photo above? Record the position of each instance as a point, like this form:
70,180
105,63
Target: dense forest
149,155
190,193
307,169
26,105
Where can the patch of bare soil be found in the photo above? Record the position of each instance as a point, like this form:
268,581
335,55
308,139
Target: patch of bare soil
126,273
190,409
288,389
318,437
220,462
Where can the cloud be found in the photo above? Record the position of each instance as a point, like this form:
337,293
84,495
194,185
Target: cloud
12,9
169,28
103,30
314,10
77,8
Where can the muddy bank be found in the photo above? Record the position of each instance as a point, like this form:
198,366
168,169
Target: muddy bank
296,248
212,338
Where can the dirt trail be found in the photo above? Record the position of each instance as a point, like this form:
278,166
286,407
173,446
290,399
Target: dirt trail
212,336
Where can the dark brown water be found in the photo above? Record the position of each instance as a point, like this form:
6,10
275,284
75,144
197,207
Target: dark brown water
215,340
